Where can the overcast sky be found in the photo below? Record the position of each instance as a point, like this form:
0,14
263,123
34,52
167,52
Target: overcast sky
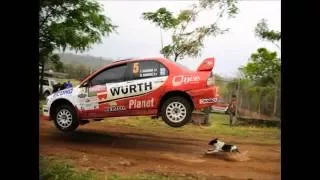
139,38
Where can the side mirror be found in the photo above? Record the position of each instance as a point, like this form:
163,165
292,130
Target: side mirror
86,84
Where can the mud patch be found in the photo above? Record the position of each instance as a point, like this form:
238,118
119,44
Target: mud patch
239,157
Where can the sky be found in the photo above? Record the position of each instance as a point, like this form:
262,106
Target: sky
141,39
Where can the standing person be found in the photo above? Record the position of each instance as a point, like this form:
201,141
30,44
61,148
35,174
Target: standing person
232,109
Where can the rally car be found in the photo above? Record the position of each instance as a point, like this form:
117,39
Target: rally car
135,87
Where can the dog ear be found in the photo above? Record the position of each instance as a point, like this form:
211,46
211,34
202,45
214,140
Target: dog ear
213,141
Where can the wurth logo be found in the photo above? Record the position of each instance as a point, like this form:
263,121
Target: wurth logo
130,89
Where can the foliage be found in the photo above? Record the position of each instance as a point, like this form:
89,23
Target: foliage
264,67
52,170
262,31
190,42
73,24
76,71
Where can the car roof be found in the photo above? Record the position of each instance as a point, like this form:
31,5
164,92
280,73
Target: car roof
139,59
133,60
127,60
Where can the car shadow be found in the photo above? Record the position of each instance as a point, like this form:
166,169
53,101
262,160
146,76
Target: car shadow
93,138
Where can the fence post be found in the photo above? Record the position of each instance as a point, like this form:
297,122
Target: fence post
238,97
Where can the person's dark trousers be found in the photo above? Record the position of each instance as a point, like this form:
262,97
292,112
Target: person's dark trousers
232,116
231,119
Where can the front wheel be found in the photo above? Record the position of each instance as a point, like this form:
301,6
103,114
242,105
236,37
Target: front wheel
65,118
176,111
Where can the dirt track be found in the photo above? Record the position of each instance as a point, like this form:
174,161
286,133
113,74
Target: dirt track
128,151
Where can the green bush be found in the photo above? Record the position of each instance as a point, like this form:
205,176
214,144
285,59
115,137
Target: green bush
52,170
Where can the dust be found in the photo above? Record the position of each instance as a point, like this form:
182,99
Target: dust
228,156
185,158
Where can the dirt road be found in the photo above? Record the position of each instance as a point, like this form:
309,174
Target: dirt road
125,150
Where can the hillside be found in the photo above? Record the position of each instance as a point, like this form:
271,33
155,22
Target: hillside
94,62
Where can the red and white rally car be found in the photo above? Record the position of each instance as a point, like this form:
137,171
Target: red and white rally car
135,87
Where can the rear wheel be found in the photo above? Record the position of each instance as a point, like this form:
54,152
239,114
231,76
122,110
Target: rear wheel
176,111
65,118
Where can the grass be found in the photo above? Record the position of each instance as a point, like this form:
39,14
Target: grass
54,169
219,127
51,169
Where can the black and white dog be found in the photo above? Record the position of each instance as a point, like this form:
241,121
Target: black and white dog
221,146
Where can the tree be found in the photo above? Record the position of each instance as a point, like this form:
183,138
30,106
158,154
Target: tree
262,31
73,24
190,42
264,68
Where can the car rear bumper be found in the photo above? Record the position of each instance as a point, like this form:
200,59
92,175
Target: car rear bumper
45,113
203,98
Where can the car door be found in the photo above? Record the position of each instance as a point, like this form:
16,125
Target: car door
145,85
96,100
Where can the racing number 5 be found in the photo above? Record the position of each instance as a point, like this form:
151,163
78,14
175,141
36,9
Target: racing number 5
135,68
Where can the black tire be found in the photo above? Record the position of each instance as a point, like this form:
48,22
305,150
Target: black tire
46,94
181,101
69,127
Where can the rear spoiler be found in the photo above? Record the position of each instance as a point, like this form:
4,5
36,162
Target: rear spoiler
207,64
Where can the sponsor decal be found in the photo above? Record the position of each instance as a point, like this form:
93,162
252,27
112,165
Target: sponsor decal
115,108
102,96
137,104
208,100
89,106
98,88
63,92
179,80
93,91
131,89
